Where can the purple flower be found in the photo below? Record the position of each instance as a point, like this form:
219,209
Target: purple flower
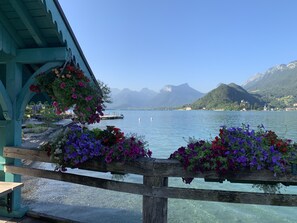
89,98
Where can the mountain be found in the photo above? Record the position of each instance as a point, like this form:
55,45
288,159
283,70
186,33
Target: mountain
128,99
174,96
278,81
228,97
277,86
168,97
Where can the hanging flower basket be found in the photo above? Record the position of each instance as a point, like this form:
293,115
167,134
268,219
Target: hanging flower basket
69,88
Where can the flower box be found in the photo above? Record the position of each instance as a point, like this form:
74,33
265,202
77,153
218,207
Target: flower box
237,150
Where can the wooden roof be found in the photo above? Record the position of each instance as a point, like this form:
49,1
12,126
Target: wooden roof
38,28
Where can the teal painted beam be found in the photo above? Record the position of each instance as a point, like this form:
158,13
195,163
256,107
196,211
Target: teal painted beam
28,21
11,134
12,32
13,80
53,7
5,102
7,45
25,94
41,55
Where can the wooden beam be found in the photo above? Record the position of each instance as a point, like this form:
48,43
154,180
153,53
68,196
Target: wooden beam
24,153
26,95
27,19
227,196
12,32
5,102
155,208
8,187
126,187
161,191
160,168
41,55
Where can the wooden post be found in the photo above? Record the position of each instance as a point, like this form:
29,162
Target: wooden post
11,134
154,209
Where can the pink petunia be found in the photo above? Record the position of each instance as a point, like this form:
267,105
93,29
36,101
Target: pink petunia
55,104
74,96
81,84
89,98
62,85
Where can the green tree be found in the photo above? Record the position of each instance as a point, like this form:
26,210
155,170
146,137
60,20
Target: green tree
105,92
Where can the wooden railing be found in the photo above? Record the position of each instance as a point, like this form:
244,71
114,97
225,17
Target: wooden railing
155,189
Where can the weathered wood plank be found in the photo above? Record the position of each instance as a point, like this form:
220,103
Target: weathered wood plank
159,167
80,179
8,187
154,209
26,153
228,196
154,195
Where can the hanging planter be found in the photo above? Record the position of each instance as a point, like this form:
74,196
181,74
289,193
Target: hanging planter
69,88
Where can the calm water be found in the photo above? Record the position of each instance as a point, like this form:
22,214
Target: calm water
166,131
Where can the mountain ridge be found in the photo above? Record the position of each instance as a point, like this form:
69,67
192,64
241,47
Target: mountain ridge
169,96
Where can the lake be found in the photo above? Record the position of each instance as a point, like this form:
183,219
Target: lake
165,131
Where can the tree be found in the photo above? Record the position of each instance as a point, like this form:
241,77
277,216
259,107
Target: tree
105,92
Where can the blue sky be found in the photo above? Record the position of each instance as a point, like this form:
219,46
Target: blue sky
151,43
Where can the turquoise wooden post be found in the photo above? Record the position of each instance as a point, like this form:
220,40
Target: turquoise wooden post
11,135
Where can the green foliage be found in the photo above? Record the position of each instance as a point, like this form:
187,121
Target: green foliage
105,92
228,97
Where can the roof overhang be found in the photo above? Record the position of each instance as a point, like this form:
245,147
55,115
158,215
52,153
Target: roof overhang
36,32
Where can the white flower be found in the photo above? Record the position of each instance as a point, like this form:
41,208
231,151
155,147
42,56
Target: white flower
58,151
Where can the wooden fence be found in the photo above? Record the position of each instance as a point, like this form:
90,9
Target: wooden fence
155,189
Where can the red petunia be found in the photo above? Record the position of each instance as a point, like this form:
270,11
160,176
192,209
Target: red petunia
35,88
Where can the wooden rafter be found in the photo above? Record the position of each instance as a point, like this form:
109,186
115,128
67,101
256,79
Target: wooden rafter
41,55
12,32
29,22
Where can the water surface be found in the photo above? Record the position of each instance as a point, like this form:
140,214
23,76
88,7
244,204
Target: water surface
166,131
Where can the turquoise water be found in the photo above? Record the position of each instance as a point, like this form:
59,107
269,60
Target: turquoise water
166,131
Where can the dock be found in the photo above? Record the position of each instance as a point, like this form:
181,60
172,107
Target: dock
112,116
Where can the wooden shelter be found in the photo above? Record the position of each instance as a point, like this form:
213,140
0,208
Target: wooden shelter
34,38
